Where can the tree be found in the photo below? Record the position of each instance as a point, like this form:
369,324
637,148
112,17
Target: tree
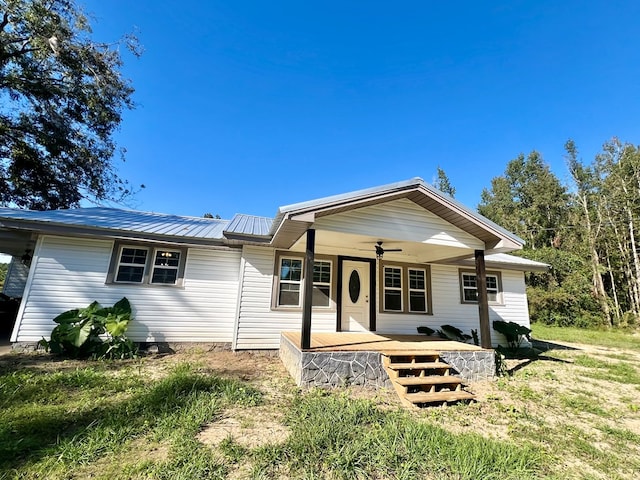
62,97
443,184
529,200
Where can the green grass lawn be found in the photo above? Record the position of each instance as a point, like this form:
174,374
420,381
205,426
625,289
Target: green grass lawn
605,338
572,414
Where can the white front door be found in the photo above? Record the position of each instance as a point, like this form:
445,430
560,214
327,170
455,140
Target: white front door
355,296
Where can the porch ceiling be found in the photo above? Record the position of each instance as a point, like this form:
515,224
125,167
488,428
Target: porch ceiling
15,243
346,244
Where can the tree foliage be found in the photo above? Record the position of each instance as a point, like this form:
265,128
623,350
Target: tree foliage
443,184
588,232
61,99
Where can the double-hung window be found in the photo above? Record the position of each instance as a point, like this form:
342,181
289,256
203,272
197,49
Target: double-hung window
165,266
417,290
132,264
469,287
393,289
405,289
289,281
139,264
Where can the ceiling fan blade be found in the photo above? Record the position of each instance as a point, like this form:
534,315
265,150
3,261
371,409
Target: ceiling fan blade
392,249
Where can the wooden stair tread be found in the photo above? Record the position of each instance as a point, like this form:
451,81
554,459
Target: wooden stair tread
428,380
418,365
410,353
426,397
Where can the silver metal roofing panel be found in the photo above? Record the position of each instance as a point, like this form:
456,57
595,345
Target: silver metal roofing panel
249,225
124,220
504,260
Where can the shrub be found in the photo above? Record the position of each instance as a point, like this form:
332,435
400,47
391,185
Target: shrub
93,331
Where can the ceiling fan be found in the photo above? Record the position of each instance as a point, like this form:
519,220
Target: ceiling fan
380,251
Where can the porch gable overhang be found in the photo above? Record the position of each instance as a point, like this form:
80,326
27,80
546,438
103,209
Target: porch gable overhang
292,221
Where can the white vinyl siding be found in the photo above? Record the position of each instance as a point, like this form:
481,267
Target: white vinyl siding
259,325
405,219
447,309
16,278
70,273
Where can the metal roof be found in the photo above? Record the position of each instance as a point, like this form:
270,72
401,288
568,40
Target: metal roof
249,225
116,220
504,260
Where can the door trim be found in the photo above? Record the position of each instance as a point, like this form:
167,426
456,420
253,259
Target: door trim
372,291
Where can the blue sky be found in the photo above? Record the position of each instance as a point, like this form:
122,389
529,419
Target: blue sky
244,106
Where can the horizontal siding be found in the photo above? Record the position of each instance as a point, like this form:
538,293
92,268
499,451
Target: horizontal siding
71,272
259,326
402,220
16,278
448,310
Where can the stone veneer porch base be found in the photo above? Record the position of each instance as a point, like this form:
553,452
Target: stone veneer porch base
364,368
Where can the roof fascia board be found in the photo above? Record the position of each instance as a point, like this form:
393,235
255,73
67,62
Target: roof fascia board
70,231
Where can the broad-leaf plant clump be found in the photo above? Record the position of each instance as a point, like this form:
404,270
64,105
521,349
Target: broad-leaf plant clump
93,332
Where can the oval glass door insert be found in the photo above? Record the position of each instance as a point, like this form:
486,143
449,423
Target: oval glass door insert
354,286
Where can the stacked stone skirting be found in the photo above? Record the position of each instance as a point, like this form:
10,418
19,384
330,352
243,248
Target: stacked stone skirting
336,369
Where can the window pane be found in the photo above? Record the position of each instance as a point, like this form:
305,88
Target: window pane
167,259
134,255
417,302
320,296
492,282
392,277
469,280
291,269
470,295
289,294
492,296
393,300
164,275
416,279
322,272
127,273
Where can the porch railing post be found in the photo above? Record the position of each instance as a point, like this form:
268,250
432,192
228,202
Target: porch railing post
483,301
307,301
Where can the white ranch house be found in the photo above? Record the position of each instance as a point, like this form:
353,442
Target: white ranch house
313,268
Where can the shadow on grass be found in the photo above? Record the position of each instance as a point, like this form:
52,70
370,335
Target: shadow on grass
32,432
534,354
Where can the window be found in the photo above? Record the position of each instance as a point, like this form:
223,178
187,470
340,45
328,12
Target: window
165,266
406,289
140,264
469,287
288,282
393,289
321,284
131,265
417,290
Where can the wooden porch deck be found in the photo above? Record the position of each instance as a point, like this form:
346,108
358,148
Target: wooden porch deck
375,342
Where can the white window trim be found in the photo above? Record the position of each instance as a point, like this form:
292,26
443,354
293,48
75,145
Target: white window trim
275,295
421,290
120,263
324,284
290,282
116,255
165,267
498,291
396,289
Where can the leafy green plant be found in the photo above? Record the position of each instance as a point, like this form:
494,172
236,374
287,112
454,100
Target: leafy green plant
513,332
426,330
94,331
453,333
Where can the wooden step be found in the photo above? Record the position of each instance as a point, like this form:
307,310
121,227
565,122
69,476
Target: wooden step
418,366
426,397
428,380
411,353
